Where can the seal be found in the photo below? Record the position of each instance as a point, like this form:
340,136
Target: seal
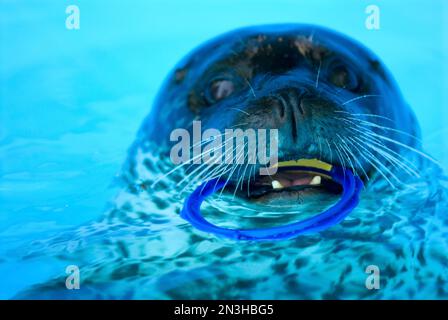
330,98
334,104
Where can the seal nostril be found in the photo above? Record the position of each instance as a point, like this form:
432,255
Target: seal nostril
282,111
280,108
300,107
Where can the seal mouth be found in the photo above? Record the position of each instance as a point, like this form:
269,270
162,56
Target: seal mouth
293,176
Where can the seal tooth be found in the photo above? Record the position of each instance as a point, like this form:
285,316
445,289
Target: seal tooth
316,181
276,184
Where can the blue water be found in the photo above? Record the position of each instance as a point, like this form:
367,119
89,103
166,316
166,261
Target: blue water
71,102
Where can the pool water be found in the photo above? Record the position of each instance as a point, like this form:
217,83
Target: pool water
71,102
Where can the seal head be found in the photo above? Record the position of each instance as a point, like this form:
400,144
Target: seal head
328,96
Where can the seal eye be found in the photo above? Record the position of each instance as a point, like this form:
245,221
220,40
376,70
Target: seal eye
220,89
343,77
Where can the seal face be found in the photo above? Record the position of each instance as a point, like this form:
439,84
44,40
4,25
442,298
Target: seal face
330,99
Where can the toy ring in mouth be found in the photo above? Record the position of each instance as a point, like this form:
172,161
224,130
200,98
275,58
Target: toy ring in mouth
303,172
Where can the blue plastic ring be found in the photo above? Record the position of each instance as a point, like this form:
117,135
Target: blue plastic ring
351,185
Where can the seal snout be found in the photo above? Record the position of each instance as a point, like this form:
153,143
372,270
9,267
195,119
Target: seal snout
297,113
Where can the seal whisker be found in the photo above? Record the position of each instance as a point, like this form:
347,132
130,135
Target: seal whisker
349,161
215,173
205,164
347,148
251,171
360,98
239,110
240,179
223,170
245,169
231,170
390,153
226,169
267,170
244,175
372,124
251,88
350,151
238,157
320,147
418,152
330,151
341,159
239,170
201,143
364,115
318,74
395,162
238,125
211,175
189,162
205,172
379,142
355,145
376,160
204,168
219,170
179,166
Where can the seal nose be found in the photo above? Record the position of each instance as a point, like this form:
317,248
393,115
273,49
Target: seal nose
283,109
291,101
271,111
